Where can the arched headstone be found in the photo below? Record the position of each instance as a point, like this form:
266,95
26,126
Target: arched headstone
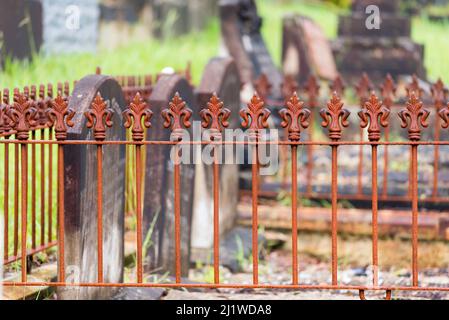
221,77
158,208
80,183
305,50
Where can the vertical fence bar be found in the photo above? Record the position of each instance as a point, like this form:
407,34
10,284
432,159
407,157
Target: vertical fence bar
50,187
61,207
294,150
4,101
141,114
216,178
374,215
33,192
414,116
24,206
255,118
334,222
334,117
139,213
100,211
99,116
6,199
60,116
374,112
414,153
180,113
177,187
255,222
294,116
216,117
42,187
16,198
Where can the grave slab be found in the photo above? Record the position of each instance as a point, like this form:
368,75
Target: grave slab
80,193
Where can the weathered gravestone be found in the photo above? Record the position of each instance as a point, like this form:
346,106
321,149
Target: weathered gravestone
20,28
70,26
80,163
221,77
378,49
240,28
305,50
158,209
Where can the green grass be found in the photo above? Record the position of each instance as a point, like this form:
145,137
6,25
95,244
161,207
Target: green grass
151,56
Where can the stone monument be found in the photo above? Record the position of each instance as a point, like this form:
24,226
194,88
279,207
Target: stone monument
377,46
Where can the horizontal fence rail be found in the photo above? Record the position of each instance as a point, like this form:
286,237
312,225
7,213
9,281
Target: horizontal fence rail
30,115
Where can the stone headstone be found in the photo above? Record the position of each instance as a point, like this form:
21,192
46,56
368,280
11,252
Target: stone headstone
70,26
378,50
305,50
80,183
240,28
221,77
20,28
158,208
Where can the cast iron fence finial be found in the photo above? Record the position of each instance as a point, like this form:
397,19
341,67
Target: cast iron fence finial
375,114
137,114
177,115
255,116
294,117
334,117
215,116
22,115
99,116
60,116
416,115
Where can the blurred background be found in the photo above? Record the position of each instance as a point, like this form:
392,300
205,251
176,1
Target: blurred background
69,38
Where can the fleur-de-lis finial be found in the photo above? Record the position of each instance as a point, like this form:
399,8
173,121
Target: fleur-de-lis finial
414,87
99,116
363,88
294,117
439,94
22,115
374,112
338,85
334,117
60,116
215,116
255,116
388,91
140,113
289,86
417,115
263,86
180,113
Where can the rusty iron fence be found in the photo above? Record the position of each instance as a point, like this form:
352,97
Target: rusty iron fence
24,115
435,97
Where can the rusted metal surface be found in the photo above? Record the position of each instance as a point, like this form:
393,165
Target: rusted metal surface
22,116
215,117
374,113
295,117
